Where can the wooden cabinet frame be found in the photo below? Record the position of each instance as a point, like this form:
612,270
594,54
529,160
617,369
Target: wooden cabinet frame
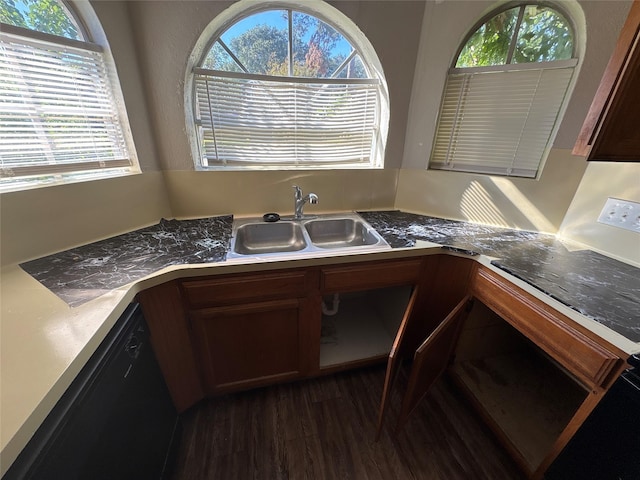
610,131
570,349
189,318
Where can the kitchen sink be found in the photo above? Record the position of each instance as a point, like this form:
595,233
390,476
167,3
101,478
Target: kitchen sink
340,233
260,238
335,233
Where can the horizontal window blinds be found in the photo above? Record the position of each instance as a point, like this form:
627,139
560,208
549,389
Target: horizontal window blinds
499,122
267,121
57,111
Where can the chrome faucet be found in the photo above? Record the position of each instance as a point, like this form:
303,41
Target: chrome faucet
312,198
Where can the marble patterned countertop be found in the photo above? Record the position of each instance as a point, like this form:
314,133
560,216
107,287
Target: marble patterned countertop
51,327
596,286
87,272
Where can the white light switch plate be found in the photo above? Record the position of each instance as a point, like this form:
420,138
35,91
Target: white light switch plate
622,214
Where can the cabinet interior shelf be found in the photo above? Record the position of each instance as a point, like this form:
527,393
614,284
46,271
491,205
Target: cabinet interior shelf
530,399
363,327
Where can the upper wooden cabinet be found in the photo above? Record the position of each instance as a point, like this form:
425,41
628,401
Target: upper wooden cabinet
611,130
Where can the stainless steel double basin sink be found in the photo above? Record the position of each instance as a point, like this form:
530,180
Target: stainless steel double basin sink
337,233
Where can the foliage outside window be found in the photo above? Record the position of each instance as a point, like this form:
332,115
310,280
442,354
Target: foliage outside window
58,117
504,95
284,89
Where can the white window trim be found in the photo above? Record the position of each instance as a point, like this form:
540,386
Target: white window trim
320,9
96,40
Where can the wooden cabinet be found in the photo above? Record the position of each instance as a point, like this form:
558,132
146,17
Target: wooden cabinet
428,330
231,332
170,337
431,359
533,374
363,305
562,339
610,131
250,330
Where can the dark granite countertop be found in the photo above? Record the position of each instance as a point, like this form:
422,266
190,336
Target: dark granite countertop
598,287
601,288
84,273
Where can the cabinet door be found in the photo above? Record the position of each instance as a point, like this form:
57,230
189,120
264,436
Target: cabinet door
610,131
245,346
443,284
431,359
398,352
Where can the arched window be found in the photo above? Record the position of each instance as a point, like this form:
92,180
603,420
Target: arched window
505,93
279,87
59,118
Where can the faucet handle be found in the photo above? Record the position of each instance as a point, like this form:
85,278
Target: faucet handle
298,191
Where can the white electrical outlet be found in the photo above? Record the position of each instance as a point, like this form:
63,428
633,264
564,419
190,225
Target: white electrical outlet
622,214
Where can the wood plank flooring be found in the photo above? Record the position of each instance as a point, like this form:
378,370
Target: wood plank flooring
324,429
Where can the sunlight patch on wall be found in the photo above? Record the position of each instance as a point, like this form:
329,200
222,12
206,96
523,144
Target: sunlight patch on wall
540,222
477,205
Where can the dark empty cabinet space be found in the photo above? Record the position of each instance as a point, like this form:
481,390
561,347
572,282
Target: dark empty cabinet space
525,396
358,326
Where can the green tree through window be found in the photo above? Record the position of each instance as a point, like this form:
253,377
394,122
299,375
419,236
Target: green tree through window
524,34
60,119
47,16
259,44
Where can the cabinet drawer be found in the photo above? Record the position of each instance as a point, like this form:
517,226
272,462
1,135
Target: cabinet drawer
581,355
367,276
231,288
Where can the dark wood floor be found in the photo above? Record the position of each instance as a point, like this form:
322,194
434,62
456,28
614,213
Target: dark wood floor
324,429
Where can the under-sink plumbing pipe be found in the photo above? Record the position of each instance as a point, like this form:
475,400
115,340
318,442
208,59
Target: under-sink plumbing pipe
334,305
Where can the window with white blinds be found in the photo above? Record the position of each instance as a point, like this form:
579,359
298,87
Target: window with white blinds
286,88
57,110
504,95
282,121
500,122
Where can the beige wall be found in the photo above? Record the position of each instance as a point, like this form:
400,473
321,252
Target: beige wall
198,194
602,180
42,221
522,203
166,33
115,20
505,202
47,220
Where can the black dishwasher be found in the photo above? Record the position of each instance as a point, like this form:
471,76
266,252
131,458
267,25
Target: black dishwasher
116,421
607,445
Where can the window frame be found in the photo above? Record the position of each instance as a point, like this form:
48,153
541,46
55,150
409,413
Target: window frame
574,62
94,39
323,12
